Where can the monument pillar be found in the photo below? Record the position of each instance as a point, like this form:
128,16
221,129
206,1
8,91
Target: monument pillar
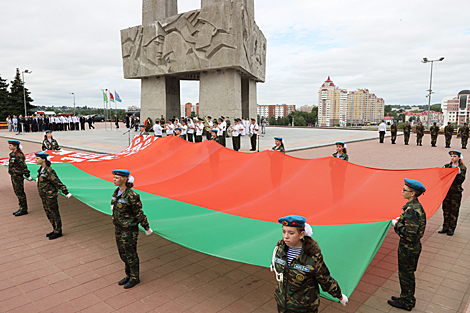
159,95
220,93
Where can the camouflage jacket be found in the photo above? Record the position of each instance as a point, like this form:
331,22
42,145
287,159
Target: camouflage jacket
407,128
412,223
464,131
299,290
49,183
53,145
343,156
420,129
459,179
216,139
127,210
434,130
394,128
280,149
448,130
17,166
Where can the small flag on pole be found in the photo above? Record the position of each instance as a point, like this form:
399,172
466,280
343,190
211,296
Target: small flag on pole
111,98
105,98
118,99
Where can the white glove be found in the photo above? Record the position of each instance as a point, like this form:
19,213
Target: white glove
68,196
149,231
29,178
344,300
112,207
394,222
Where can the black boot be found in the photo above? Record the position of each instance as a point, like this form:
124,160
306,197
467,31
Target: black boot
55,235
398,299
16,212
443,231
131,283
124,281
398,304
21,213
50,234
450,232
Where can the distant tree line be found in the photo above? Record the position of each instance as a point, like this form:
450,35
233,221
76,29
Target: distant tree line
300,118
400,114
12,99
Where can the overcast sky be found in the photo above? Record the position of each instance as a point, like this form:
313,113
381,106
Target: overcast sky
75,47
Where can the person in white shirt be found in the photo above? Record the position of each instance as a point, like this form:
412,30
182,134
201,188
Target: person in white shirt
199,130
191,129
236,130
246,125
169,128
382,131
223,125
253,134
184,129
157,129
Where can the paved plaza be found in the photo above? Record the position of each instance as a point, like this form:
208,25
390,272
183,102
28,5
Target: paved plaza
79,271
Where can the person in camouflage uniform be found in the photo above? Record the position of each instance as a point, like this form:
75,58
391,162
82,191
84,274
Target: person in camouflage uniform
393,131
299,267
49,185
407,132
49,143
434,130
464,132
448,131
451,204
279,145
127,215
18,171
214,136
409,226
419,134
341,151
143,132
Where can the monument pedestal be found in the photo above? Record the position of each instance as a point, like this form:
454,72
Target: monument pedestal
160,95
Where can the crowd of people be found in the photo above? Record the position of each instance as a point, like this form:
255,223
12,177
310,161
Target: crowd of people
40,123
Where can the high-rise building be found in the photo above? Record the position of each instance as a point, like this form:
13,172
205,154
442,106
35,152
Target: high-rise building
364,107
189,107
332,104
456,109
278,110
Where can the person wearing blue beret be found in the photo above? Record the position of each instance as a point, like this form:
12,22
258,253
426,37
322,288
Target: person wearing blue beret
451,203
127,214
299,267
393,132
143,132
278,145
341,151
410,227
49,143
18,172
49,185
214,136
177,132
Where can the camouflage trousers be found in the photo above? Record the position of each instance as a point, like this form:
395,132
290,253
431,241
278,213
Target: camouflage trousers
448,139
51,207
310,310
433,140
407,137
394,137
464,141
127,247
408,255
419,139
18,187
451,207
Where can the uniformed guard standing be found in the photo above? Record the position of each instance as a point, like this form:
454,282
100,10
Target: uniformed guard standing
419,134
143,132
49,185
434,130
278,145
214,136
49,143
341,151
464,133
451,204
448,131
18,171
410,226
407,132
393,131
299,267
127,215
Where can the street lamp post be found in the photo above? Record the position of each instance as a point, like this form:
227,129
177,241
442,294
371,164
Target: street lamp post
72,93
425,60
24,92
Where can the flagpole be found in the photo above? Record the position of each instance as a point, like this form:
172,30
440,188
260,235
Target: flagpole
104,109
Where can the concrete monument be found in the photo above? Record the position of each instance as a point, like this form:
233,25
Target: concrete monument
220,45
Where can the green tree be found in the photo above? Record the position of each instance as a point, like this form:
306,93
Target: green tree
16,103
4,99
388,109
272,120
436,107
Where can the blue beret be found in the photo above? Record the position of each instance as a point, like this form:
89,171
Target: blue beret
14,142
415,184
340,143
292,220
178,128
48,131
456,152
278,138
141,125
214,130
42,155
124,173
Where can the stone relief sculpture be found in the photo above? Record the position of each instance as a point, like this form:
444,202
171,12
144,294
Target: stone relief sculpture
223,34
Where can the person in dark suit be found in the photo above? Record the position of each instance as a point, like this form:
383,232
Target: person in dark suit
82,122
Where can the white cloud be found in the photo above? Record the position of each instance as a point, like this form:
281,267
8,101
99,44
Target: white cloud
75,47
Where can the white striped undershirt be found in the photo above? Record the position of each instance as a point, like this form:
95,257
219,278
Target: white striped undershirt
292,253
